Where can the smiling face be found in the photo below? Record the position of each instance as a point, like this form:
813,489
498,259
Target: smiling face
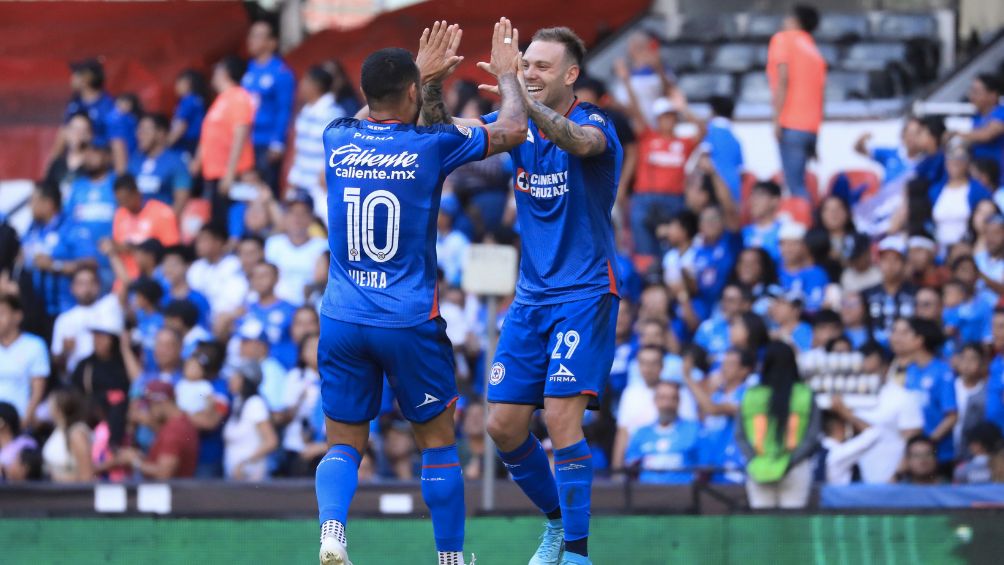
550,73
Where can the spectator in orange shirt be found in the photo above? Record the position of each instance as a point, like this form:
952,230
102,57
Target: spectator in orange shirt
225,151
797,75
136,222
660,177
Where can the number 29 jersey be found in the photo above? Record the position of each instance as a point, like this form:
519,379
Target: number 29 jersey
385,180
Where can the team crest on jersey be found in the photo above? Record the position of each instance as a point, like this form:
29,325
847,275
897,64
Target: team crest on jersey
497,374
598,119
465,130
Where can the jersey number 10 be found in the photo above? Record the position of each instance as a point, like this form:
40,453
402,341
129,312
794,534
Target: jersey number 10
359,224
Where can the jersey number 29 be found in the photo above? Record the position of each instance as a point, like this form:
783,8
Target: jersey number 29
359,224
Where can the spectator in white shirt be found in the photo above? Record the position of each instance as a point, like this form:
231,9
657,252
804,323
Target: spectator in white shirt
303,388
71,336
294,251
216,274
24,362
637,405
896,415
248,435
319,109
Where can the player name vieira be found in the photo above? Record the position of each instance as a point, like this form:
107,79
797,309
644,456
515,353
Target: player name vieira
369,279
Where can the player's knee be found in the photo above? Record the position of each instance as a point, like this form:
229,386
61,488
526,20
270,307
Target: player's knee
504,433
564,423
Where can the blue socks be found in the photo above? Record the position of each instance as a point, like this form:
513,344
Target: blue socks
443,491
530,468
336,481
573,469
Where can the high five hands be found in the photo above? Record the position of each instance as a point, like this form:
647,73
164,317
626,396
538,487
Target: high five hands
505,56
437,51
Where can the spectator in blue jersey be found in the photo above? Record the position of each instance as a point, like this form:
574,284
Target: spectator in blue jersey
953,201
916,342
986,140
76,136
319,109
89,212
173,271
183,317
186,125
271,83
273,313
87,81
994,408
854,319
666,451
894,297
714,257
204,367
965,317
346,95
145,296
713,333
122,130
719,406
895,161
798,271
931,164
161,172
786,319
41,239
723,146
764,227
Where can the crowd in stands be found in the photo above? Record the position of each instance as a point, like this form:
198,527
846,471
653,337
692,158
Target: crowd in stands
159,318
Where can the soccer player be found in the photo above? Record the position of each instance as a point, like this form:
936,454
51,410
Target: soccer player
380,310
557,343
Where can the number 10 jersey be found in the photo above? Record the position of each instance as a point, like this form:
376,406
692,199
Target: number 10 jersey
385,180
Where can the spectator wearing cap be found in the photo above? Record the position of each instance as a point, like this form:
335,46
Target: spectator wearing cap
915,343
986,139
451,243
160,171
970,393
183,317
860,271
589,89
41,240
271,83
764,227
319,109
797,75
175,450
274,314
102,376
294,251
990,261
71,336
894,297
12,441
723,147
136,222
786,317
253,346
923,271
248,435
953,201
217,275
798,271
186,124
660,179
174,279
89,210
224,151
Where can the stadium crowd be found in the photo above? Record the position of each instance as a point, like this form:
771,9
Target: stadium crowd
159,318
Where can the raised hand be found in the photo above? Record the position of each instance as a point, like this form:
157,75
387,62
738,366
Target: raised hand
437,51
505,57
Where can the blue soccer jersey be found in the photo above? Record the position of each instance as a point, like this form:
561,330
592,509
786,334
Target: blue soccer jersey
563,205
384,185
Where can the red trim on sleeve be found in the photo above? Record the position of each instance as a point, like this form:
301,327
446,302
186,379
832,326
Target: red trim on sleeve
590,393
488,141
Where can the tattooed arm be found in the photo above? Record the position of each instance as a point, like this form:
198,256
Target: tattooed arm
509,130
434,109
566,134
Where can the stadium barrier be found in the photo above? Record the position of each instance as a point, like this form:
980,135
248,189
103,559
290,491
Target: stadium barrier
644,540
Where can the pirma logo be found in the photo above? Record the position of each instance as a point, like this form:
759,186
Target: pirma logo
497,374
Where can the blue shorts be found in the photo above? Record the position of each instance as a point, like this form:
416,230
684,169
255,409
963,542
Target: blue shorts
557,350
353,359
